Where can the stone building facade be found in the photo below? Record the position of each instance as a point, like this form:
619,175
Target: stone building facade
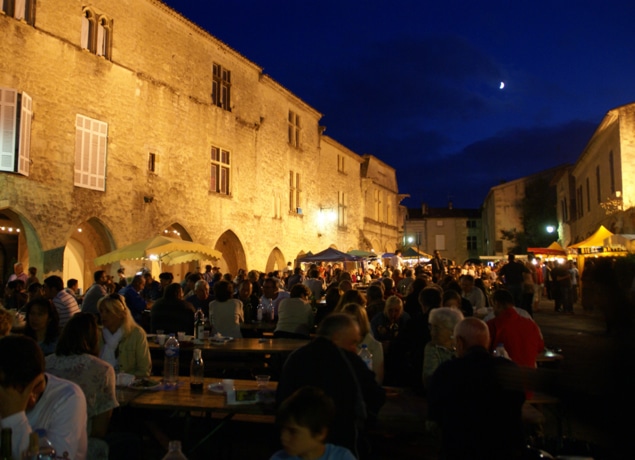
123,120
455,232
600,188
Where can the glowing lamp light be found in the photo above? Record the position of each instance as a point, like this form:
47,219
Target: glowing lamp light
550,228
153,257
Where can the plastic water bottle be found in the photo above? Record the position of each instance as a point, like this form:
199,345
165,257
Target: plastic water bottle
174,451
171,361
366,356
45,450
259,312
500,351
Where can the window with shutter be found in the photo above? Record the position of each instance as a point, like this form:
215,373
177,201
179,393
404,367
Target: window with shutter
24,146
15,131
91,138
8,109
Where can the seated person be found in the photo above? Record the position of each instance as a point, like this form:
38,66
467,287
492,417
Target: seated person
171,313
42,324
374,346
386,325
31,399
304,419
441,347
453,299
330,362
226,313
6,322
295,316
123,343
471,394
75,359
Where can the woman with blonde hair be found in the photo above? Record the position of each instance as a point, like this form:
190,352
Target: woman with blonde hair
387,324
373,345
123,342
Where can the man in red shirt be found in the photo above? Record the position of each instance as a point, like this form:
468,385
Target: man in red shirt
521,336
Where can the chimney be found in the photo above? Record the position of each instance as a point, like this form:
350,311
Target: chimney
424,209
450,204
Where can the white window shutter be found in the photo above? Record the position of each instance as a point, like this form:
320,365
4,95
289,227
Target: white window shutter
8,108
101,34
19,10
91,139
85,32
24,146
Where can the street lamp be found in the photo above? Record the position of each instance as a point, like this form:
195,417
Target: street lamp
550,228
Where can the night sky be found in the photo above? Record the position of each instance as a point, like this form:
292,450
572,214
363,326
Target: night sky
417,83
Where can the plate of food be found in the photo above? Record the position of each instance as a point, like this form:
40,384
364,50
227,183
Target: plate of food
145,384
216,388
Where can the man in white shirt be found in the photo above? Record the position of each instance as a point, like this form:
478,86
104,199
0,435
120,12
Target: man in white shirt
396,260
471,292
64,302
31,400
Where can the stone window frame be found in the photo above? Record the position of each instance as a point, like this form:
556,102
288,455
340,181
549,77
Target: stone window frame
294,129
221,87
96,33
91,149
295,192
220,178
342,210
22,10
16,115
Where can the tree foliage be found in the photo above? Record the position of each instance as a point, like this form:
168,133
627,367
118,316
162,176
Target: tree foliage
537,210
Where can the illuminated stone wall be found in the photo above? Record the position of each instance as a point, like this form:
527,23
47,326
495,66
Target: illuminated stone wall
155,95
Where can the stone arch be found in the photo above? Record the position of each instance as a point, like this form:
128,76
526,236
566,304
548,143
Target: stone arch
377,246
90,239
18,242
233,253
275,261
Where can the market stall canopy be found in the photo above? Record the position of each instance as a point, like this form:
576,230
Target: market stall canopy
330,255
362,253
410,253
167,250
554,249
595,240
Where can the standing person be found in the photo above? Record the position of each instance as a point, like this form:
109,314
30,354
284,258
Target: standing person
539,286
32,277
64,302
512,274
31,399
561,287
396,261
520,336
121,277
575,282
438,267
208,275
473,393
94,293
315,283
18,274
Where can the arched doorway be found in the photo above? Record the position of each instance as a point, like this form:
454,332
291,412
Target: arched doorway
275,261
89,240
18,242
233,253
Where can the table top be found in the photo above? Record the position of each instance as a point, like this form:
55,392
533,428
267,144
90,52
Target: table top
242,345
182,398
547,356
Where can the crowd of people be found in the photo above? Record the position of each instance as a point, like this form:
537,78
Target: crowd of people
415,321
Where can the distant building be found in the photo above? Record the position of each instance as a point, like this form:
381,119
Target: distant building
502,211
455,233
122,120
600,188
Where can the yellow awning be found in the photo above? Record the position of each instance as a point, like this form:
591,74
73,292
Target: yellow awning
595,240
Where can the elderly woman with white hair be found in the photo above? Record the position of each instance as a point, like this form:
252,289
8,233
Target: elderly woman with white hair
441,347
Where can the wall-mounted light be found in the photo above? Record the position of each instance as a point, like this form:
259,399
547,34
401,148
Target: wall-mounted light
327,215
